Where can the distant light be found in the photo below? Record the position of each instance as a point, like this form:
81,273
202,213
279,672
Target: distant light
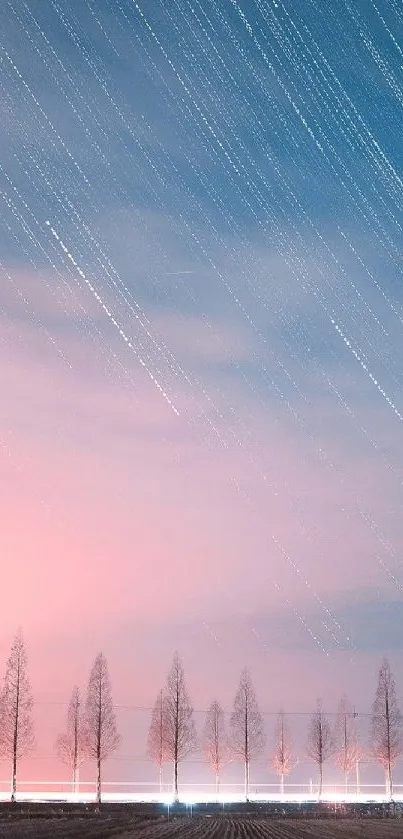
194,798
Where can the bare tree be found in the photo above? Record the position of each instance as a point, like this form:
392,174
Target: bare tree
215,741
179,727
386,729
156,745
283,758
320,741
347,750
246,724
17,731
100,734
70,745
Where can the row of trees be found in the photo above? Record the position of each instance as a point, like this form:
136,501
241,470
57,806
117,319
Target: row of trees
172,734
91,731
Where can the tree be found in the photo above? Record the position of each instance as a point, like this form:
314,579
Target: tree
100,734
215,741
347,750
283,759
156,745
246,724
320,741
179,727
17,731
386,728
70,746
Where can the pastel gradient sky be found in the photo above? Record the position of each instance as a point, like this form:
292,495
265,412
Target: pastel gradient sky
201,356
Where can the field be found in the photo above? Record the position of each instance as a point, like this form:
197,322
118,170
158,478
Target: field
122,823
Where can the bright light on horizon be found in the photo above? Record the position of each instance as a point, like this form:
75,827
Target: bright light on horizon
196,797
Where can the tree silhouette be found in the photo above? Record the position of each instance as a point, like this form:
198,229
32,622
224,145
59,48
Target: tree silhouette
283,759
320,741
70,745
155,744
179,727
246,725
347,750
386,728
100,734
17,731
215,741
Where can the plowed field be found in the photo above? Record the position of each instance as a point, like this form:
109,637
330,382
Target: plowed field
129,827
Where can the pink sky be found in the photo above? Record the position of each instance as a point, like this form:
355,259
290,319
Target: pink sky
133,530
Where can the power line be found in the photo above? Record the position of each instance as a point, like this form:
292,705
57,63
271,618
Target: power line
149,709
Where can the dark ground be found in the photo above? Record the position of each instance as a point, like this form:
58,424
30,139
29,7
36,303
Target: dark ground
122,821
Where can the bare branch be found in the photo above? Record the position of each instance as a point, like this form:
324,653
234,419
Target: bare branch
283,758
155,745
179,728
17,731
100,734
347,749
70,745
320,742
387,724
246,725
215,740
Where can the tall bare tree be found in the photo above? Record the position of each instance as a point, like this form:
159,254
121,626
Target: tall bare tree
215,741
320,741
347,749
156,745
387,721
246,726
283,758
179,727
70,745
100,734
17,731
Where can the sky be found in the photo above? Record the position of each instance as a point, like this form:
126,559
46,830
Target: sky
201,313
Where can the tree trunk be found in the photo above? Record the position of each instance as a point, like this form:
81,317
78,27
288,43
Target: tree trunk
282,783
357,776
161,777
320,779
246,749
15,738
99,740
176,744
98,781
14,778
388,782
389,790
346,782
217,783
76,779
